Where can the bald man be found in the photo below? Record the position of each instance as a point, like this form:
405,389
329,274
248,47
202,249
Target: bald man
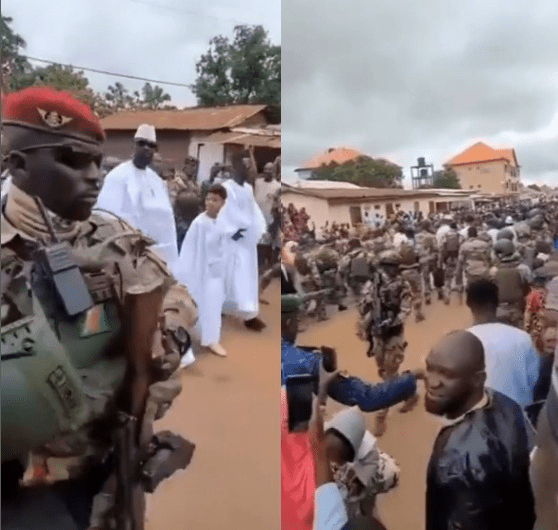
478,475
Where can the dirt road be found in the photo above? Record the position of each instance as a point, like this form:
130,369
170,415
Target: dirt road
410,436
230,409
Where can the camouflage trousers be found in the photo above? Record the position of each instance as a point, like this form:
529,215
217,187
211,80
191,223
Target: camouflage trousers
426,268
389,354
450,269
414,278
511,314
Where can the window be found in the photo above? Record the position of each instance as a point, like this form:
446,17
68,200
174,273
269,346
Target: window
377,207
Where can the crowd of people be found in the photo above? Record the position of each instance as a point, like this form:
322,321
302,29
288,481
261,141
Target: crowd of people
495,461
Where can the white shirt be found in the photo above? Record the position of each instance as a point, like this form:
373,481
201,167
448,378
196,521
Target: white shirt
398,239
264,193
442,231
329,509
512,363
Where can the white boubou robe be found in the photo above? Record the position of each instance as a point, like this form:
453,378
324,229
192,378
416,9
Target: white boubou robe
241,257
141,198
201,268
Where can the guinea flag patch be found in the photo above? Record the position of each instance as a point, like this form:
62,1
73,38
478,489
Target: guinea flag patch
94,321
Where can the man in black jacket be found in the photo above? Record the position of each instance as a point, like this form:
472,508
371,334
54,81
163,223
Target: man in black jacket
478,475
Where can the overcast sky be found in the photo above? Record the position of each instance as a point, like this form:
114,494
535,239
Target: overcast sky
135,37
408,79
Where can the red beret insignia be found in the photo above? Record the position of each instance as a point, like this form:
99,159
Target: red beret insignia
53,119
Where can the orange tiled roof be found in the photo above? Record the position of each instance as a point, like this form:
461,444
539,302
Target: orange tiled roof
480,152
339,155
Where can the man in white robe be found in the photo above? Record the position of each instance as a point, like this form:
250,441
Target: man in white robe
244,225
201,268
138,195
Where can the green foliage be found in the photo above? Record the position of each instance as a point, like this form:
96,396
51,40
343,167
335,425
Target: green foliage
119,98
445,179
244,71
362,171
13,62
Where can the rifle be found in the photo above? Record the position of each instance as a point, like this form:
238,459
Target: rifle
141,460
314,294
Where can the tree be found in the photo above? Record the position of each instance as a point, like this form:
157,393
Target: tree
245,71
13,63
445,179
59,77
362,171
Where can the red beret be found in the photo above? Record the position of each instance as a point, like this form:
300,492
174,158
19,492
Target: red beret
52,111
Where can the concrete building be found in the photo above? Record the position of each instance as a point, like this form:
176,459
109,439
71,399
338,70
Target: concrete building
481,168
357,206
210,134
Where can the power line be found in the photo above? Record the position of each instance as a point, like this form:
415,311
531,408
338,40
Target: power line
108,73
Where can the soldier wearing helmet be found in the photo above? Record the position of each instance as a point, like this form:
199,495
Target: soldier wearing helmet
427,249
513,279
474,260
384,304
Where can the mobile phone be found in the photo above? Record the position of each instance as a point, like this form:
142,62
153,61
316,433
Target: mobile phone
329,356
299,401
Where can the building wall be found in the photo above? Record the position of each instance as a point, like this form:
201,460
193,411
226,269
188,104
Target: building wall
208,154
488,176
173,145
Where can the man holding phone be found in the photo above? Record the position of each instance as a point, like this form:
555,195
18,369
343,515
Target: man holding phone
297,462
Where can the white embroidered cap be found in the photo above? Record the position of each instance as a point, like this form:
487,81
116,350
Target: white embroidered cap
146,132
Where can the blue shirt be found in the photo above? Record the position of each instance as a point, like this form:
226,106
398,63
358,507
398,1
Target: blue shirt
348,391
511,360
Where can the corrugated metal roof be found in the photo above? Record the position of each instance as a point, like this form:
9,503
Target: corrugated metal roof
372,193
193,119
241,138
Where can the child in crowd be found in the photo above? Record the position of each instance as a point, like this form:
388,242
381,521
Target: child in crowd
201,267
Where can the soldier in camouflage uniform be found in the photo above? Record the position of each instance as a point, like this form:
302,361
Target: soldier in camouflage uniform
184,180
474,260
513,279
356,267
384,304
427,250
410,270
93,328
310,281
448,258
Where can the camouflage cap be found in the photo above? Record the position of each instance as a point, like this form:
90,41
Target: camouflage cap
290,303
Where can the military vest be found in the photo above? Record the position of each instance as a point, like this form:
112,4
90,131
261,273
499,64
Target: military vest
61,371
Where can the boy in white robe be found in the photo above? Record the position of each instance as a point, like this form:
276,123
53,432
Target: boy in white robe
201,267
244,224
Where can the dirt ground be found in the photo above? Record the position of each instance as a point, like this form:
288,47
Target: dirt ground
409,437
229,407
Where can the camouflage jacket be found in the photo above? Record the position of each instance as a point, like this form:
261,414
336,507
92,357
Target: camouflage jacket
474,257
394,298
345,262
426,245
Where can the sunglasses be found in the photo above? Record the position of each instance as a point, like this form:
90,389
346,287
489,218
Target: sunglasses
146,143
72,155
